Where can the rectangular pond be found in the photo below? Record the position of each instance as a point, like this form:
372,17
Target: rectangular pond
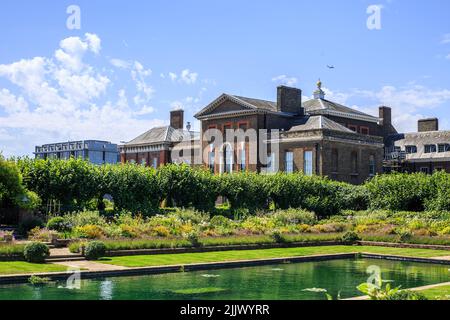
274,282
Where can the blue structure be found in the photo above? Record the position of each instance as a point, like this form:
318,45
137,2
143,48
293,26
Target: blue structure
94,151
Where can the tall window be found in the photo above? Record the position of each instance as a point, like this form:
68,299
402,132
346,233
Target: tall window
211,158
289,162
271,162
354,162
227,159
155,163
243,158
308,163
335,160
372,165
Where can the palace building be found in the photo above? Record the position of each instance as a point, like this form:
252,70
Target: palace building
317,137
426,150
156,146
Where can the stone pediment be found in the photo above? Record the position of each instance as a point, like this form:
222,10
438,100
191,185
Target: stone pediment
230,104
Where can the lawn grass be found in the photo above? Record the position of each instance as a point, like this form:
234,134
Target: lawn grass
206,257
21,267
437,292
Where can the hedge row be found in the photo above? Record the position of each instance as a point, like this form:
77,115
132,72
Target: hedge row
410,192
75,183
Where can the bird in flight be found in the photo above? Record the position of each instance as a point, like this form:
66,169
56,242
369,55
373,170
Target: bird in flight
330,67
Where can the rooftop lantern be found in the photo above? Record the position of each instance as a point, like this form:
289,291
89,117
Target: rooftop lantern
319,93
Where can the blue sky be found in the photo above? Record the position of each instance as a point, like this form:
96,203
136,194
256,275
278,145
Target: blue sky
133,61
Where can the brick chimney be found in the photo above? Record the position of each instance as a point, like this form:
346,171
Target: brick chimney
289,100
385,115
177,119
426,125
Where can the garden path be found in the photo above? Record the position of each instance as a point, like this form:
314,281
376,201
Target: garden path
90,265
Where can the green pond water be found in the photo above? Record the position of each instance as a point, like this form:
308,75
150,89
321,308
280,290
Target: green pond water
274,282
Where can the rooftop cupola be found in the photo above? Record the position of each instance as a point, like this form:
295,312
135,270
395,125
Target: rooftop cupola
319,93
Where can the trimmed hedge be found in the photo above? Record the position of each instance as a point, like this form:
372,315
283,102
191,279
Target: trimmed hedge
141,190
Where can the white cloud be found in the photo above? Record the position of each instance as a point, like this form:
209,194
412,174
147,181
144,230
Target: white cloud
448,57
144,111
62,98
445,38
118,63
94,42
11,103
172,76
139,75
284,79
177,105
188,77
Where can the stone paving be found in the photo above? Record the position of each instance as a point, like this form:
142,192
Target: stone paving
61,252
90,265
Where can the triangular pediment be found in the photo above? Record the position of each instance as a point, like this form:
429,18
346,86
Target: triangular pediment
225,104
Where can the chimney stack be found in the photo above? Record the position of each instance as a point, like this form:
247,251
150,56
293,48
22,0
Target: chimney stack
289,100
385,115
426,125
177,119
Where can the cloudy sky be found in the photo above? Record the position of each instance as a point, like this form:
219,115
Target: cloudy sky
131,62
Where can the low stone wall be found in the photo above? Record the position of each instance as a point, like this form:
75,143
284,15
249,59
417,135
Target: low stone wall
222,248
404,245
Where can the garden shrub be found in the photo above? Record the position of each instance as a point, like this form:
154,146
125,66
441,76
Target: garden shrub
245,190
59,224
89,232
193,238
133,188
83,218
353,197
73,182
95,250
405,295
293,216
440,200
350,237
161,231
221,221
397,192
10,183
45,235
185,187
278,236
36,252
316,194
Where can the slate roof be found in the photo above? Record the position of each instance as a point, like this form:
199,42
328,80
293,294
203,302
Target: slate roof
318,123
317,106
420,139
258,103
159,135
